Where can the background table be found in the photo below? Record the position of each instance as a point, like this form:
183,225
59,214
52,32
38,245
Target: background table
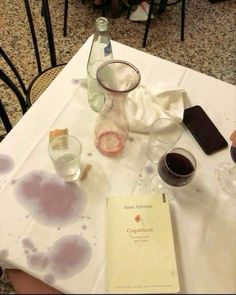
203,216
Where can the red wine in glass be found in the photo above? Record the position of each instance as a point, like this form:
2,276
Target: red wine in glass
177,167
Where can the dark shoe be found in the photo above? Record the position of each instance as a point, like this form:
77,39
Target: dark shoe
97,6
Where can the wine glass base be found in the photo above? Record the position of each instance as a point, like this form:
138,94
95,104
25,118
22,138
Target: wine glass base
226,176
159,187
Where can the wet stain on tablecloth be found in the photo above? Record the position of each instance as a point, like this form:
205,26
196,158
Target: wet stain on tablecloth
50,200
6,164
66,257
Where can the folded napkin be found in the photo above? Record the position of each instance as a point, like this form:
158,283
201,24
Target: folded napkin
143,107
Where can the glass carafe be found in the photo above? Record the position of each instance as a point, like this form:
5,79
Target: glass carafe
117,78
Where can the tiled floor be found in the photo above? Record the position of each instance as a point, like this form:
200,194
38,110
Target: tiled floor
209,45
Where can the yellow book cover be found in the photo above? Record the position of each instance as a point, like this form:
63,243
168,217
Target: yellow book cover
140,247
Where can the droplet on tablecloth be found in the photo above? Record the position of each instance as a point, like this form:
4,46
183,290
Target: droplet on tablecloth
6,164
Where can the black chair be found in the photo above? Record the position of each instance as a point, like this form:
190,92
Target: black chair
27,95
162,6
21,95
44,77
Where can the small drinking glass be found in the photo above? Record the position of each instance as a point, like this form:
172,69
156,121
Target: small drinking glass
65,153
164,135
176,168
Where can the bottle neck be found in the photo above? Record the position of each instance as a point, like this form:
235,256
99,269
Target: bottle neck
101,25
101,49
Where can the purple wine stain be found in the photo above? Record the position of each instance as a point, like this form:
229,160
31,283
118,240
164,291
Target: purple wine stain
4,253
49,278
75,81
49,200
28,245
67,256
6,164
38,261
149,169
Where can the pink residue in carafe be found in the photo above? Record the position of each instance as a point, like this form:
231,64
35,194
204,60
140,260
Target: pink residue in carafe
110,143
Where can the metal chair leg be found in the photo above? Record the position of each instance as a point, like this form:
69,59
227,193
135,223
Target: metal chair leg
42,13
148,23
103,3
33,34
182,20
65,18
48,25
162,6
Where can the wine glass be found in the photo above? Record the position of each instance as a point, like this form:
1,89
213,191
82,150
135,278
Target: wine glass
176,168
226,172
164,135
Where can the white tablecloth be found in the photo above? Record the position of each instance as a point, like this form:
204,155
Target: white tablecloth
203,217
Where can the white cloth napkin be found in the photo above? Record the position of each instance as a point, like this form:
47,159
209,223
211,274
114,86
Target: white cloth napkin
143,107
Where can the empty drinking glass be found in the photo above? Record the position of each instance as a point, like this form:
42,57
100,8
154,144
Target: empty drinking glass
164,135
65,153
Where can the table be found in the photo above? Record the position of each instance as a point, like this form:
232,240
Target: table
203,217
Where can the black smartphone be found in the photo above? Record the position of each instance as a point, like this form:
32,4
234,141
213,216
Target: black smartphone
204,130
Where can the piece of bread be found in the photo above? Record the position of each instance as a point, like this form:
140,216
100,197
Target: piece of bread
57,132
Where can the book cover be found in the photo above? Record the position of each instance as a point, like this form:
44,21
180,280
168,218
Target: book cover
140,247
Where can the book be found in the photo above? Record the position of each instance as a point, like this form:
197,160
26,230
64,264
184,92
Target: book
140,246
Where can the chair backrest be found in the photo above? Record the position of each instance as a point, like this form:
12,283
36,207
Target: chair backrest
21,96
48,25
22,93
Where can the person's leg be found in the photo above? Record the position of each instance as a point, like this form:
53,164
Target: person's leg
23,283
97,3
141,12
